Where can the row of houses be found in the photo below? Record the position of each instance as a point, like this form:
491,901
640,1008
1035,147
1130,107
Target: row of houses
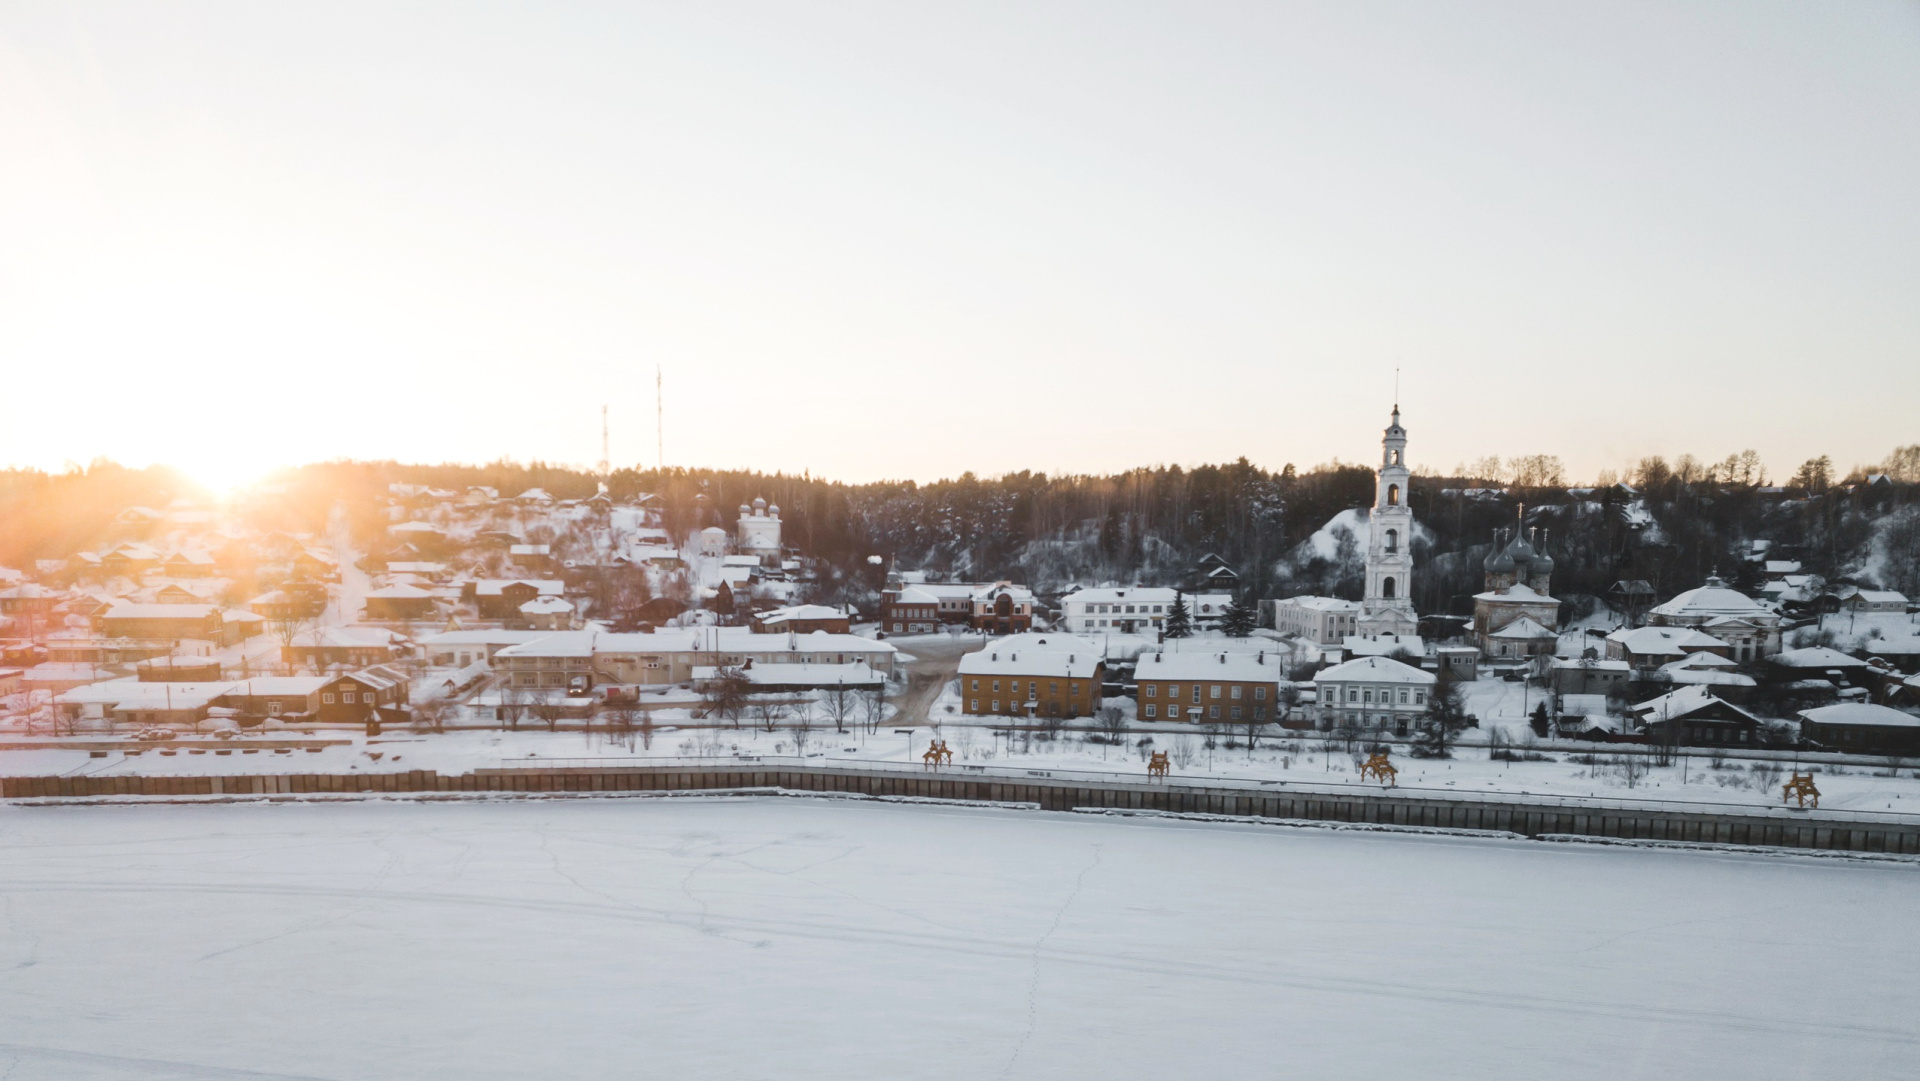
377,693
583,660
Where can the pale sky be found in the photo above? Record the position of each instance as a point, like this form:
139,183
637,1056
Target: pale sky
908,240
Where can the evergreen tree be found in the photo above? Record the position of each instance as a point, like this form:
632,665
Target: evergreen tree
1539,721
1241,617
1446,716
1179,621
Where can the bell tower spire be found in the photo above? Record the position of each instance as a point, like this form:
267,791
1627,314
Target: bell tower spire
1388,605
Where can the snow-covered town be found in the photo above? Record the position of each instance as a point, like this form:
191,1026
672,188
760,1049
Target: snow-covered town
1043,541
521,624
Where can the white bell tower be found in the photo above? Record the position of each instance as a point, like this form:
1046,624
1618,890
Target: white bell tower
1388,606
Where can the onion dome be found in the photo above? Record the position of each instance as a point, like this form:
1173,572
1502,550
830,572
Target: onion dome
1498,561
1543,563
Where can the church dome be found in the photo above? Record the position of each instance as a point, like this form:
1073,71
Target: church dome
1497,561
1520,551
1543,563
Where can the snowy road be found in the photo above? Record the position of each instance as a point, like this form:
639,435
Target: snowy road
803,938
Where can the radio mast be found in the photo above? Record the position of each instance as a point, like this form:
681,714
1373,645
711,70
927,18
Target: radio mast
605,458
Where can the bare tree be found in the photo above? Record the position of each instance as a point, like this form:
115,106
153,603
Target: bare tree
1112,721
1252,725
768,713
513,703
839,702
549,711
726,695
874,706
802,729
286,630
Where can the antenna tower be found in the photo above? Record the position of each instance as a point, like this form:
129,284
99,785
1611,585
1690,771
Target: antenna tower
605,458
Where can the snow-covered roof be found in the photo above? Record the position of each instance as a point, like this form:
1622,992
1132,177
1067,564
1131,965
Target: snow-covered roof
421,528
1230,666
554,644
1120,595
131,694
492,587
1669,640
1519,591
915,595
1525,627
1712,599
485,637
344,637
546,606
1592,664
1895,647
802,611
126,610
1322,604
1383,645
1783,566
1861,713
1882,596
1699,661
399,593
740,561
1048,641
1816,657
1373,670
1683,702
272,685
529,549
995,661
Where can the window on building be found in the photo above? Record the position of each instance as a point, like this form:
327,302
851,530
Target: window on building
1353,694
1053,688
1259,694
327,698
1152,709
1236,713
975,707
996,705
1213,713
1153,690
1196,694
1235,693
1216,691
1259,713
996,689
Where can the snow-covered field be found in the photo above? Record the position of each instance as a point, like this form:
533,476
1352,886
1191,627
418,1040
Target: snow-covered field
797,938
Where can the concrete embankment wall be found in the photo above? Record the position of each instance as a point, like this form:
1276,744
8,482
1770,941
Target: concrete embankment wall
1829,830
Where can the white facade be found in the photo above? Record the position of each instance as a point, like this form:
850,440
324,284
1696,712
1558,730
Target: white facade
1388,606
1324,621
1372,692
1132,610
758,530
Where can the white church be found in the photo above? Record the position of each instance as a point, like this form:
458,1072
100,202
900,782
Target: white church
1387,607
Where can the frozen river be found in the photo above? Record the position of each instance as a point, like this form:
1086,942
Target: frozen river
797,938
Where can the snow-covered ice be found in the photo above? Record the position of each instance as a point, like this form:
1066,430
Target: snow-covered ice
797,938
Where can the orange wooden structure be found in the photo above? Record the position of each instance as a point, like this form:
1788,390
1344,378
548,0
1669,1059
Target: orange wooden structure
1380,769
1157,765
937,755
1801,789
